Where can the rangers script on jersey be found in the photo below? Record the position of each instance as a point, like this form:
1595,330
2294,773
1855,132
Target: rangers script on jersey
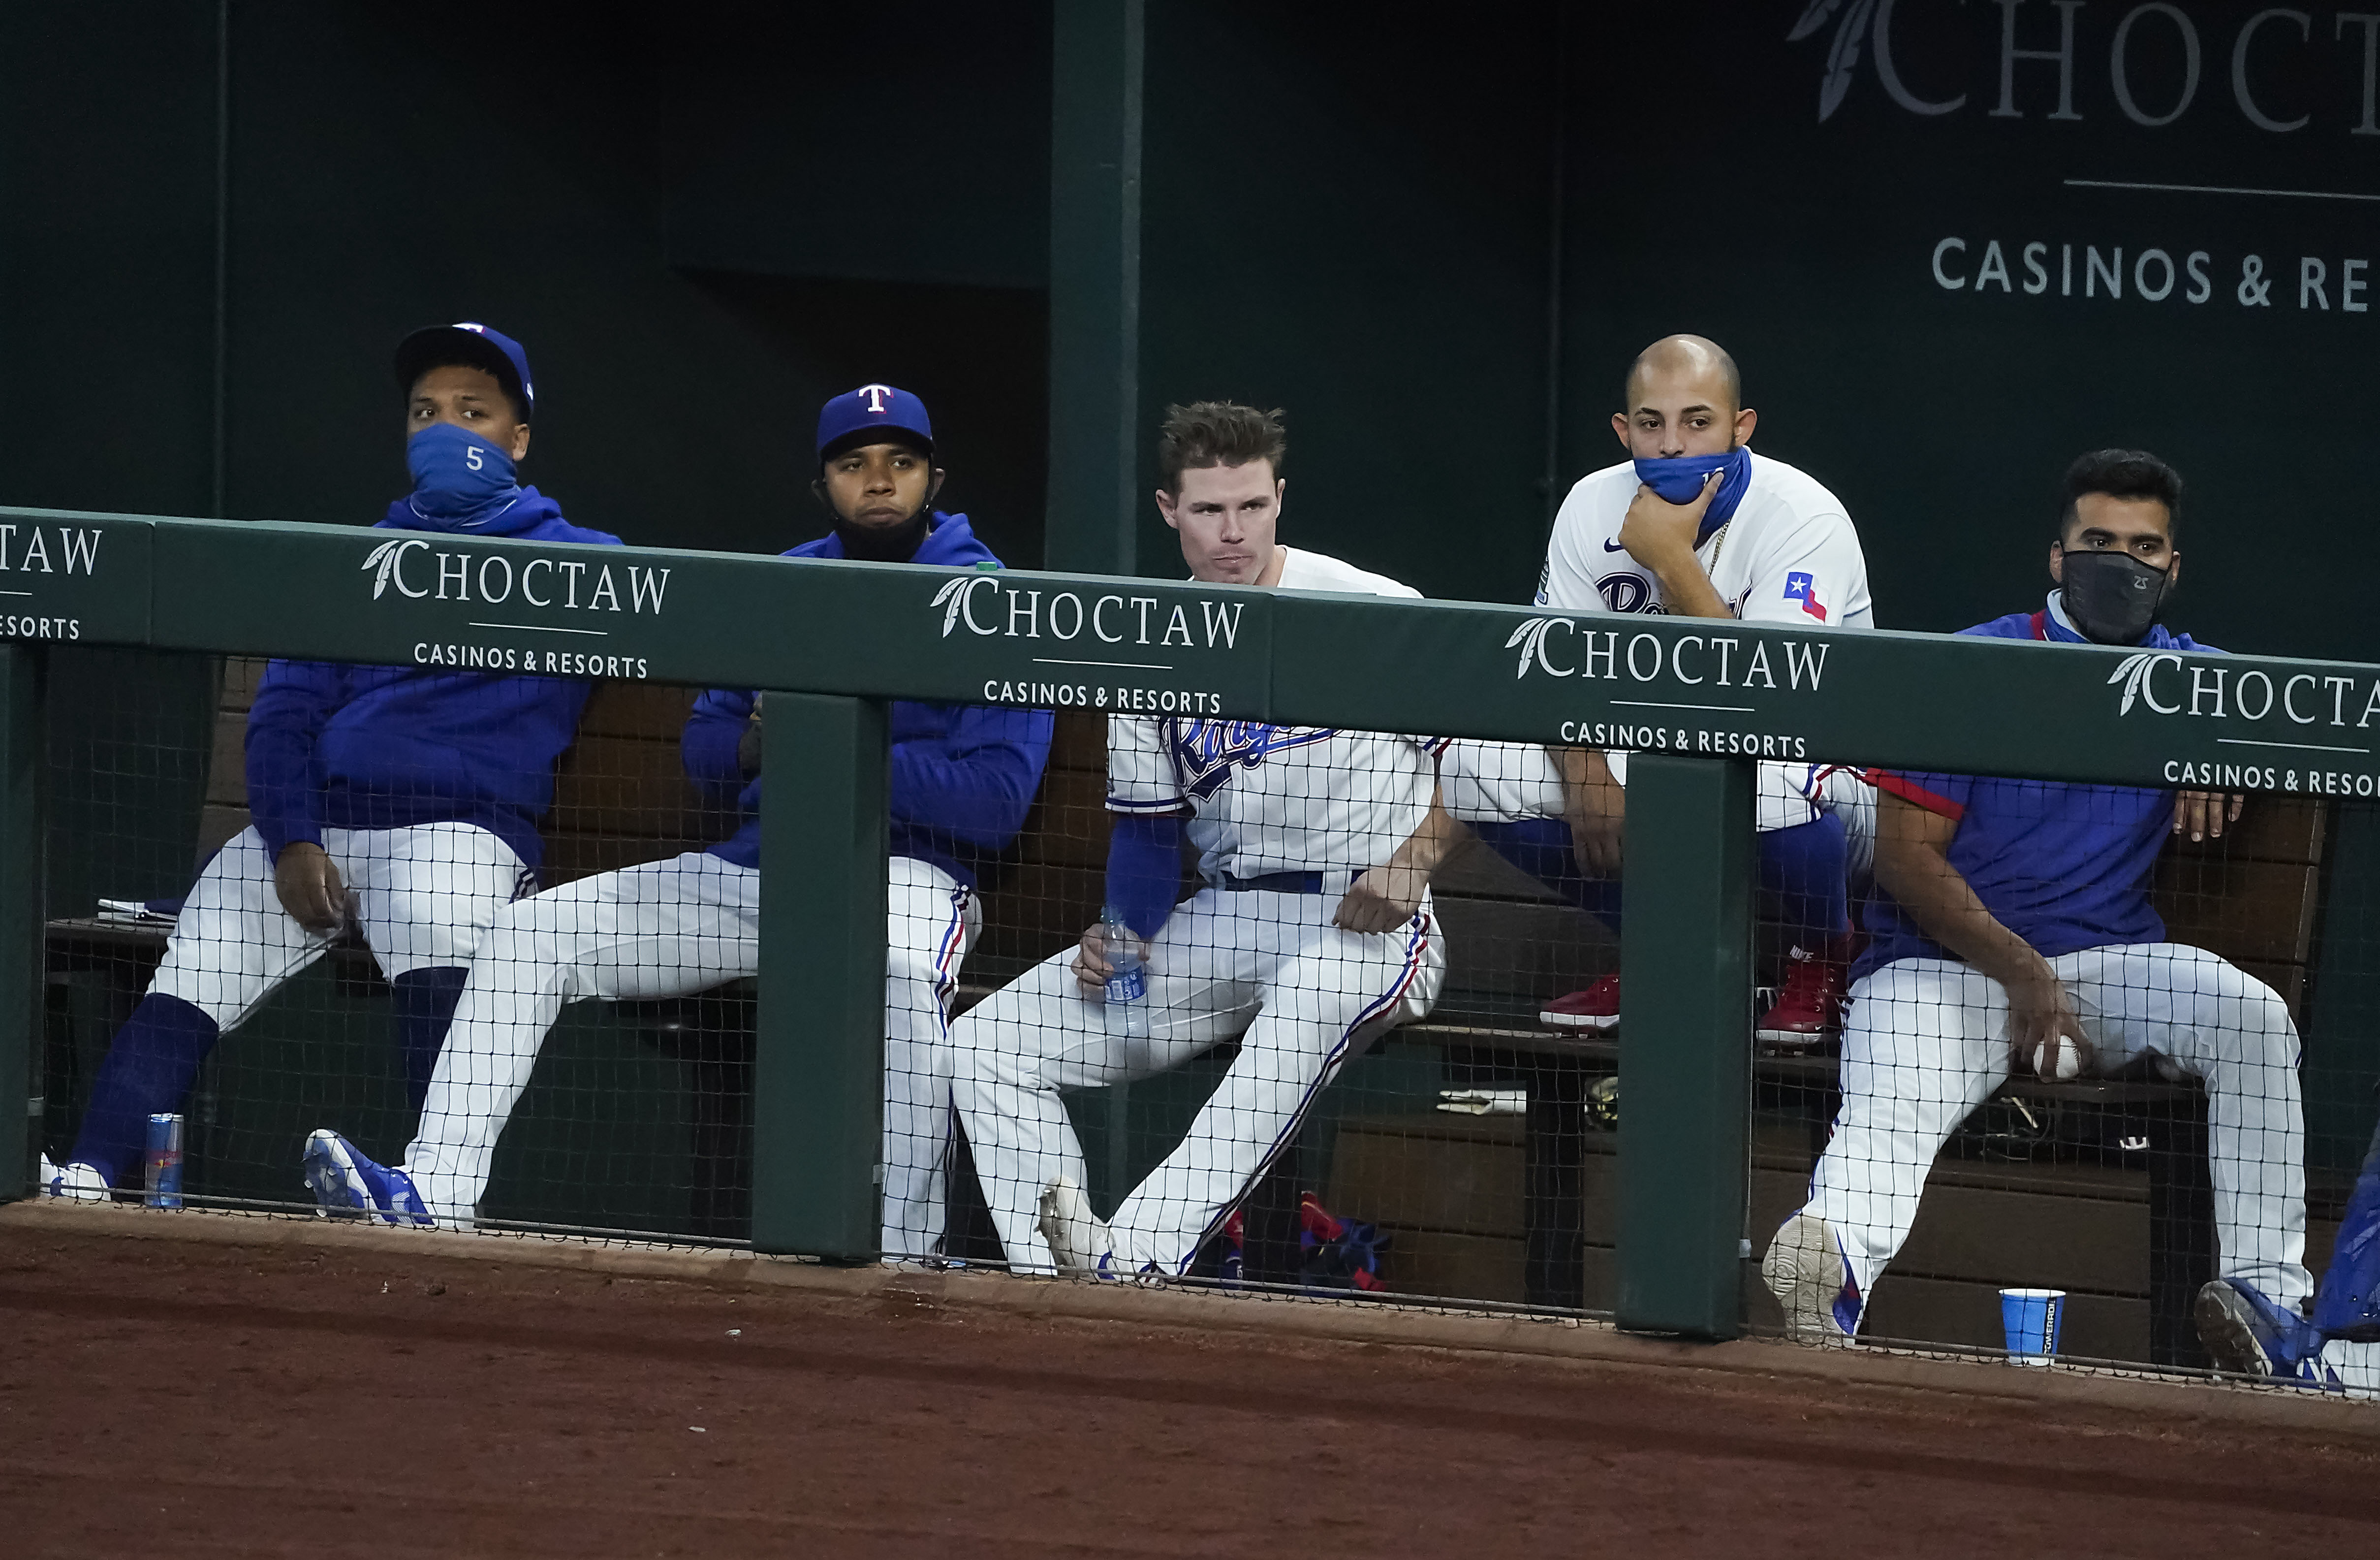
1273,799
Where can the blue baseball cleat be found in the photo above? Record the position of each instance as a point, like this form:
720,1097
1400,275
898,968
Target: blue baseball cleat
346,1183
1805,1270
2250,1336
1110,1270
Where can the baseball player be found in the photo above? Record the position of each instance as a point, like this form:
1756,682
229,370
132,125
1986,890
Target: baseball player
1312,934
1693,525
963,777
2335,1347
2013,927
402,801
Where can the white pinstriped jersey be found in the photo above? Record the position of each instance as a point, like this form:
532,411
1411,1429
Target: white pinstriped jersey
1275,798
1788,555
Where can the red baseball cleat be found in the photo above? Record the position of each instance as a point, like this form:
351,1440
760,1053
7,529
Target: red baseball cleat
1596,1008
1809,1011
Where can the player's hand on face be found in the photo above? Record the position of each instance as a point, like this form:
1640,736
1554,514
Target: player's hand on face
1660,534
2042,1018
308,883
2202,814
1382,899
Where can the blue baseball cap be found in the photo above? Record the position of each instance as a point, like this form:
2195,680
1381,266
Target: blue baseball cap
467,341
866,415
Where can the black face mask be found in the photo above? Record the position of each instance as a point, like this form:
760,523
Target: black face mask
897,544
2113,597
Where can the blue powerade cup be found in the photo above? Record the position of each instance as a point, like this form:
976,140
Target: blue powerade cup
164,1182
2031,1318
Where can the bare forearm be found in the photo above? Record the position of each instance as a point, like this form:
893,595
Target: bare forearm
1580,768
1686,591
1930,891
1427,845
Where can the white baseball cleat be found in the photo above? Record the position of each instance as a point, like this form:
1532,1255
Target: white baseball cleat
75,1183
1077,1240
1805,1271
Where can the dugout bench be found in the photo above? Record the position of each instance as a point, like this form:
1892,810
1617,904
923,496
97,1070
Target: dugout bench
619,797
2095,1186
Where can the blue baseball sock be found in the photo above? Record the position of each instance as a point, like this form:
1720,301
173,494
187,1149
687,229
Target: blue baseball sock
148,1068
425,1005
2348,1300
1541,848
1802,871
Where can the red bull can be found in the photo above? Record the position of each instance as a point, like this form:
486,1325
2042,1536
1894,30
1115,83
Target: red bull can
163,1185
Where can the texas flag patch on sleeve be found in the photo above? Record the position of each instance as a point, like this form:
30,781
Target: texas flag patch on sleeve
1804,589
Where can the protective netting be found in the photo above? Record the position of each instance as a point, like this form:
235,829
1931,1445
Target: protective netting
182,979
2102,1046
1377,1045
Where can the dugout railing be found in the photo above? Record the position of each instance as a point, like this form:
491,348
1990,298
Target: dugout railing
1697,702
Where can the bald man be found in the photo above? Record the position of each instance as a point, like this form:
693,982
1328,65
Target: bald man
1693,525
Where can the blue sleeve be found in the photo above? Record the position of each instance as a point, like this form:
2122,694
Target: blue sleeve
974,786
1145,870
712,735
293,700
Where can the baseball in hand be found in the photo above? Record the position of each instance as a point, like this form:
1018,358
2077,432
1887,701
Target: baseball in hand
2056,1057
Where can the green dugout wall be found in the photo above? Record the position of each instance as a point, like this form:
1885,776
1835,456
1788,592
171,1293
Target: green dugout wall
1698,700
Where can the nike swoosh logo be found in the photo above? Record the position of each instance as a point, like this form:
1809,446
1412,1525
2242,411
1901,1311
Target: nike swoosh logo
1613,547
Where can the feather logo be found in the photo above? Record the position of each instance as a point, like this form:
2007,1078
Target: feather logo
384,558
948,593
953,597
1843,54
1529,638
2133,673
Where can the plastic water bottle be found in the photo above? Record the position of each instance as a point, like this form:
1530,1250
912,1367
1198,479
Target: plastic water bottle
1127,987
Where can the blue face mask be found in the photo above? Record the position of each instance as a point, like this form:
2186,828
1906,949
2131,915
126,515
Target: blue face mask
461,481
1681,482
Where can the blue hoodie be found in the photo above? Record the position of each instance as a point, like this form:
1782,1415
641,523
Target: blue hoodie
340,747
962,775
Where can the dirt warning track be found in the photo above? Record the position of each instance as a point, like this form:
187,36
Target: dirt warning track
284,1395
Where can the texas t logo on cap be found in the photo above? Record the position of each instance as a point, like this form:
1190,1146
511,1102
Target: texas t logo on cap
873,411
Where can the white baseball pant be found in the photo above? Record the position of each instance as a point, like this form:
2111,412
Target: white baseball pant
1304,996
672,928
1926,1041
424,898
1506,782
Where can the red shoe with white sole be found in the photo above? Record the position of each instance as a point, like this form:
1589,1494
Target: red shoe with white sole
1809,1010
1596,1008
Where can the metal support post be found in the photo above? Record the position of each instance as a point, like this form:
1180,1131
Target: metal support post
1095,87
21,894
817,1081
1685,964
